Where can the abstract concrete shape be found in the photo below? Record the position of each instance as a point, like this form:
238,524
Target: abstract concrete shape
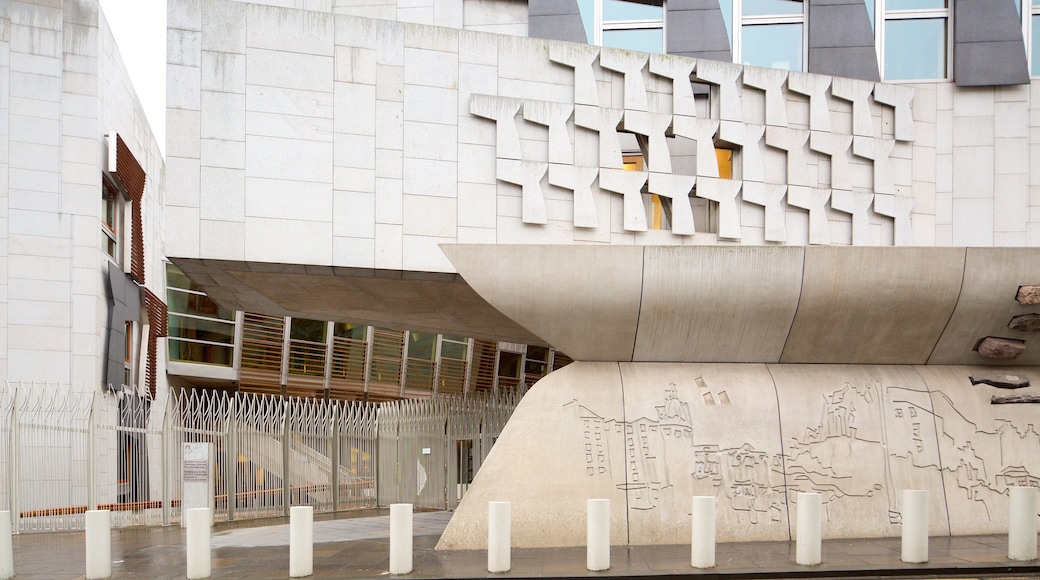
749,138
726,77
1029,295
814,200
792,141
528,175
770,196
630,185
858,93
843,318
878,151
835,146
1016,398
899,208
724,192
815,87
992,277
655,127
606,123
1025,322
503,111
679,70
750,312
579,57
582,304
999,380
579,180
771,81
703,132
555,117
631,65
899,97
677,188
1005,349
856,204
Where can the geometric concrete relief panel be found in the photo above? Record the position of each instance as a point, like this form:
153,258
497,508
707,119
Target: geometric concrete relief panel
621,98
648,436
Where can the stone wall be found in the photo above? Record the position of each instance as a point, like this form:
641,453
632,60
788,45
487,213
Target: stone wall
649,436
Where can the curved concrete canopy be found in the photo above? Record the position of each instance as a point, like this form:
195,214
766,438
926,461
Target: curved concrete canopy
861,305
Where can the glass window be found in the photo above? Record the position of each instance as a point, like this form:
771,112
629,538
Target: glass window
199,330
350,330
870,12
624,24
915,49
422,345
309,330
1034,47
454,347
913,40
773,46
770,33
770,7
111,208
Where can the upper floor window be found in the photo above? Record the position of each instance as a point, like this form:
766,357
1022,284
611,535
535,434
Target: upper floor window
914,39
771,33
1032,24
111,219
624,23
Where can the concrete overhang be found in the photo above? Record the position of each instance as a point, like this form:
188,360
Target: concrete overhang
745,304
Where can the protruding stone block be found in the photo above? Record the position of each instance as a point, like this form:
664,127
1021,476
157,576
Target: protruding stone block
630,64
630,185
703,132
771,197
1000,380
857,205
678,69
815,87
900,209
723,191
771,81
1028,295
725,76
899,98
793,142
554,116
879,151
749,138
579,57
856,92
1025,322
814,200
1001,348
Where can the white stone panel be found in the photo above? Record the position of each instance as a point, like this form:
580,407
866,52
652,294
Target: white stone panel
726,77
430,141
430,216
221,153
226,240
972,172
770,197
222,194
431,68
478,164
291,200
290,101
223,72
972,222
223,116
222,29
771,82
431,177
290,30
477,206
815,87
287,240
183,47
289,70
430,104
182,87
279,158
354,214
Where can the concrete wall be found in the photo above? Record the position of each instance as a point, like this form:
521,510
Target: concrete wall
62,88
334,140
754,436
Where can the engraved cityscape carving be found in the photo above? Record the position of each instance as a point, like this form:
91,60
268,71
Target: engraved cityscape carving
867,442
660,111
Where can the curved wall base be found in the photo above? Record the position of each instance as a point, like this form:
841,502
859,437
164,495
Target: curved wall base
649,436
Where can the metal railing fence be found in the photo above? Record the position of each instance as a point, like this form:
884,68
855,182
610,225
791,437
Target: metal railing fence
64,451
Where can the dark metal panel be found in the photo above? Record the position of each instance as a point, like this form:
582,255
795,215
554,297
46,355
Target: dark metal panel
696,28
555,20
841,40
988,48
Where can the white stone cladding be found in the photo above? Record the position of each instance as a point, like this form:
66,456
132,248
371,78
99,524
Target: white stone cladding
315,137
63,87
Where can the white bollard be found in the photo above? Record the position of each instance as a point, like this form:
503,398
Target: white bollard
6,548
400,538
1022,524
499,539
301,541
915,526
197,521
598,529
702,543
99,544
809,542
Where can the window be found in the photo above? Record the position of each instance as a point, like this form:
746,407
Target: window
1033,36
913,39
128,350
111,219
199,331
624,24
771,33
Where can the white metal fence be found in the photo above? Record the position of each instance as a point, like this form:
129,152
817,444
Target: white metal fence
64,451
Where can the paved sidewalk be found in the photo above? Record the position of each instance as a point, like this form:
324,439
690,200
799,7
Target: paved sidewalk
357,547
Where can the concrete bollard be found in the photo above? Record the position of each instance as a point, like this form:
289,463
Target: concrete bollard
6,547
400,538
197,521
301,541
702,542
915,526
1022,524
99,544
598,535
809,542
499,536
